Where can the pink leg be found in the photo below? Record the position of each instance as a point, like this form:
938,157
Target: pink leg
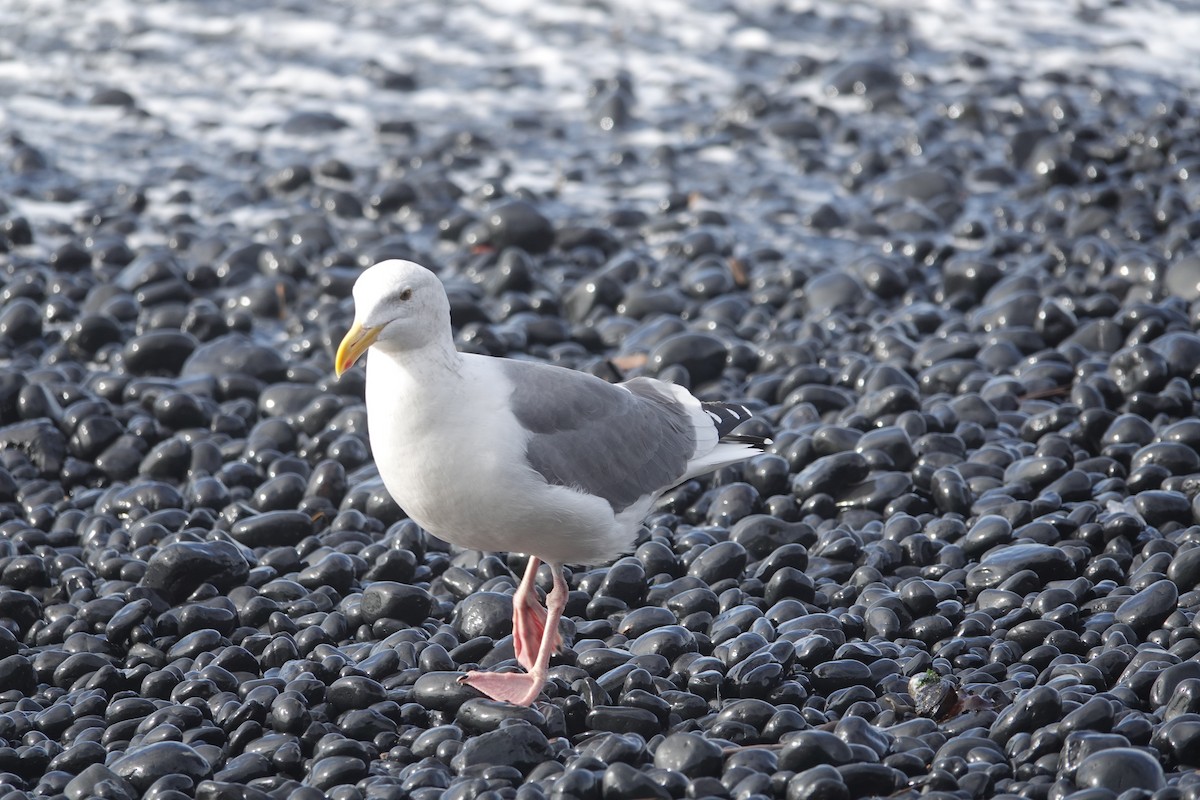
523,688
529,618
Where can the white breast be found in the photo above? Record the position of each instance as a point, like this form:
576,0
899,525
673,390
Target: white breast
453,457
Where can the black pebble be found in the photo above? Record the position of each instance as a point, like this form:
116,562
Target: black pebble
701,355
391,600
272,528
177,569
518,745
144,765
689,753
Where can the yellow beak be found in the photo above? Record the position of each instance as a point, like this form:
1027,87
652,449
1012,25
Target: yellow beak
355,343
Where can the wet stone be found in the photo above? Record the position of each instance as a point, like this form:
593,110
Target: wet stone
816,782
808,749
831,290
18,674
144,765
624,780
272,528
1170,683
1031,710
1148,608
484,614
1159,507
625,581
442,691
1183,278
518,745
1118,769
1184,569
670,642
484,714
871,779
178,568
690,754
701,355
723,560
622,719
950,492
392,600
158,352
40,441
21,321
761,534
336,570
1175,457
840,674
191,645
235,353
303,123
333,771
830,474
1179,739
882,493
94,778
518,224
1001,564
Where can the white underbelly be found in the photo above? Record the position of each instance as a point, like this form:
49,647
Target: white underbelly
482,505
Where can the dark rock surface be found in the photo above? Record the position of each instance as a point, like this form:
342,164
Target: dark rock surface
947,256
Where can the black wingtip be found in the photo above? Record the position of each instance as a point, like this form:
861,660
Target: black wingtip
726,416
761,442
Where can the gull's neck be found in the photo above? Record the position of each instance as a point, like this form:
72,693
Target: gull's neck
430,364
409,390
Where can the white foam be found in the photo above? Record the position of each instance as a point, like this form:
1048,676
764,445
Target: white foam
219,78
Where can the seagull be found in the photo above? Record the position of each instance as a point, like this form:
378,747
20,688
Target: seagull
497,454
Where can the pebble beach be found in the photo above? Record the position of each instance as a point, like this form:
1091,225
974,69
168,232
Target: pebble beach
946,252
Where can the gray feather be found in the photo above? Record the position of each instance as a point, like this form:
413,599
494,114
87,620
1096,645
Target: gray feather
620,444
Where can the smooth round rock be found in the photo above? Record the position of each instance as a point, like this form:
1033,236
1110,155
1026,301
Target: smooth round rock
689,753
997,566
144,765
702,355
518,745
391,600
1118,769
1148,608
178,568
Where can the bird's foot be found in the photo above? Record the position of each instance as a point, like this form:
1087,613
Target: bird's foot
518,688
529,627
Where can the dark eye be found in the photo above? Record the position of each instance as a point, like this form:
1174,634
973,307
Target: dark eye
406,294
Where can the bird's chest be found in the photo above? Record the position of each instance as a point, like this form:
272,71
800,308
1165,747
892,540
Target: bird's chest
441,449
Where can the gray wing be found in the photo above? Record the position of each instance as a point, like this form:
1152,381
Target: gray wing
617,443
